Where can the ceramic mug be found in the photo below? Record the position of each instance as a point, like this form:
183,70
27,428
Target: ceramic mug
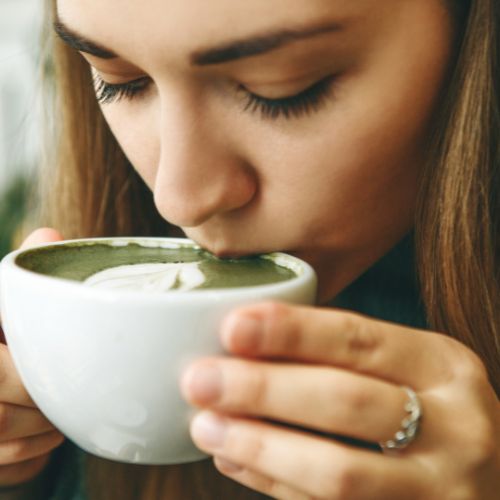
104,365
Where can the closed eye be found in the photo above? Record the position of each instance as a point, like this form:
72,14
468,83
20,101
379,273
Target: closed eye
295,106
111,92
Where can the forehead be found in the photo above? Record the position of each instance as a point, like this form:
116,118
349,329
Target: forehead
130,26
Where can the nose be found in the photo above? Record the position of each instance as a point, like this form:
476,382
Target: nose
199,174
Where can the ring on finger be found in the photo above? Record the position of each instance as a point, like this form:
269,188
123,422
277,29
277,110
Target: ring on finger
410,425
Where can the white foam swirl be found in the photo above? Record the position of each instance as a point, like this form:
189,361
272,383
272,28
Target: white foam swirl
179,277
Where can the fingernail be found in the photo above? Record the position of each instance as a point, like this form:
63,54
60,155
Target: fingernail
202,383
242,333
227,467
209,430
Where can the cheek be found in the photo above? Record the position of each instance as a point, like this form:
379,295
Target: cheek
133,126
385,114
363,156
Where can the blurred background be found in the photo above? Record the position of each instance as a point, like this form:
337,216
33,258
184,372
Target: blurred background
20,22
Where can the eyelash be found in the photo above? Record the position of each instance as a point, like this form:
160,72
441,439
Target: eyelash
306,102
112,92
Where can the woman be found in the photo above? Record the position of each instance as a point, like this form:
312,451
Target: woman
351,134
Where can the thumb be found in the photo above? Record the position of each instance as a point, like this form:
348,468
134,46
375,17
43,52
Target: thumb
37,237
41,236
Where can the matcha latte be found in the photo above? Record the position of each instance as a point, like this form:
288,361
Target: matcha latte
133,266
102,364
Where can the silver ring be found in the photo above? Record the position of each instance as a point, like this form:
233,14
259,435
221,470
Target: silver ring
409,425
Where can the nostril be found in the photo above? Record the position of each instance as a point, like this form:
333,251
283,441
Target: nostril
190,201
183,213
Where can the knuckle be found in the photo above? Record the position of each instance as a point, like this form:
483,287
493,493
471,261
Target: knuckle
275,313
468,366
245,445
279,320
359,338
358,401
257,389
475,369
345,403
339,483
255,450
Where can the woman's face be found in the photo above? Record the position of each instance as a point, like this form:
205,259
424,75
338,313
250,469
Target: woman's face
294,125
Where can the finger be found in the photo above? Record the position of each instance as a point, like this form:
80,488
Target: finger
20,450
339,338
258,482
323,398
37,237
317,466
19,422
12,390
22,472
41,236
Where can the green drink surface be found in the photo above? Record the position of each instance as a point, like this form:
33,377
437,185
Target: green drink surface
77,262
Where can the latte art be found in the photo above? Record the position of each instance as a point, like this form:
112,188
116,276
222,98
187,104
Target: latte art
155,277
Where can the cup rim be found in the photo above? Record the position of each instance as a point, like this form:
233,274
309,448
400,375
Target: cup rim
305,274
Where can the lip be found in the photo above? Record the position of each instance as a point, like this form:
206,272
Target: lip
227,252
233,254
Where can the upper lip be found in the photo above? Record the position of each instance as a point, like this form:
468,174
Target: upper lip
224,250
229,254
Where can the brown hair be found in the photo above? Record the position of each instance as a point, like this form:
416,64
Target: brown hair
458,217
94,191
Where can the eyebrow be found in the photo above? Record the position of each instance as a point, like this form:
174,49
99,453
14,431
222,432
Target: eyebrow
230,51
78,42
257,45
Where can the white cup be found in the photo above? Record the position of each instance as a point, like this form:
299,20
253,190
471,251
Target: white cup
104,365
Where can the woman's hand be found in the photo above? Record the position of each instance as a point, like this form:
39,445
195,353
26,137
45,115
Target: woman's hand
27,438
335,372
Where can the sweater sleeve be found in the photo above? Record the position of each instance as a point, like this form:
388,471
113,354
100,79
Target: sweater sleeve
44,486
34,490
68,478
60,480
